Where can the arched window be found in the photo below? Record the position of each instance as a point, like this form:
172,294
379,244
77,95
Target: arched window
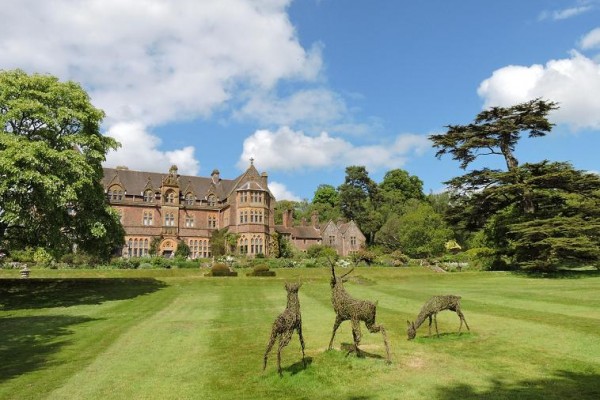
212,200
148,196
190,199
115,193
170,197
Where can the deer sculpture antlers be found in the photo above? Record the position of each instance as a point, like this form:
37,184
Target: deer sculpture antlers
348,308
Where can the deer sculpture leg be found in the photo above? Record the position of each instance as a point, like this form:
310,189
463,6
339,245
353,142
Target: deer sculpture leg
374,328
301,344
336,325
284,340
269,347
430,321
356,335
462,318
435,322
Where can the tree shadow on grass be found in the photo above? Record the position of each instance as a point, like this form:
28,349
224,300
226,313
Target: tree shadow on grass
560,274
27,343
18,294
563,385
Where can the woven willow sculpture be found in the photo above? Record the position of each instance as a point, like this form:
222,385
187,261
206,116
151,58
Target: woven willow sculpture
348,308
430,309
285,324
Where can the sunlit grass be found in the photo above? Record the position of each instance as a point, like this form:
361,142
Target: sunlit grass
178,334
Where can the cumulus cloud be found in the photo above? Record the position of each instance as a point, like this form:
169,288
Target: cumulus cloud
281,192
156,60
150,62
286,149
140,151
572,82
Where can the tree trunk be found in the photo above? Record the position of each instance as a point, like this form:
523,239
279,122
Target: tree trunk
513,164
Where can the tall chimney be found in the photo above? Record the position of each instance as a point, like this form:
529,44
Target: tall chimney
215,175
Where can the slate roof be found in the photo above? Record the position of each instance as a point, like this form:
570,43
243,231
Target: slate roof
300,232
136,182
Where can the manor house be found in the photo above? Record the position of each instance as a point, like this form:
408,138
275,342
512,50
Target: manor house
173,208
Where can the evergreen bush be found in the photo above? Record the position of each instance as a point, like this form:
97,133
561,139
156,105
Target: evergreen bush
261,270
221,269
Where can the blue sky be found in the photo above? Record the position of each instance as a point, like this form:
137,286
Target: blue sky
308,87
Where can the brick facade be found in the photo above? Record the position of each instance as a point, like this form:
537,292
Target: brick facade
345,237
175,208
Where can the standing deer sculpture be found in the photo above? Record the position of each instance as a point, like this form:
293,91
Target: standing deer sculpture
348,308
285,324
430,309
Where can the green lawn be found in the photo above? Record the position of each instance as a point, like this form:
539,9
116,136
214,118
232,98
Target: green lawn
176,334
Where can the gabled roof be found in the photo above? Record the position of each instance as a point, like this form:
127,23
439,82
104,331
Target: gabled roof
251,185
135,182
250,177
299,232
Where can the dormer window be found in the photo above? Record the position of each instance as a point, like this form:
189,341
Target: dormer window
170,197
115,193
148,196
190,199
212,200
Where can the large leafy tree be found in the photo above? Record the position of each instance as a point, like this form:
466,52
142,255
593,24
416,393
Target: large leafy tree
326,202
533,214
417,231
51,151
360,200
397,187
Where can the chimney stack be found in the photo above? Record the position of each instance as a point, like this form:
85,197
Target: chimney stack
288,218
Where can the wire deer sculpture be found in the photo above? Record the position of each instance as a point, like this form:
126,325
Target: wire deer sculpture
430,309
348,308
285,324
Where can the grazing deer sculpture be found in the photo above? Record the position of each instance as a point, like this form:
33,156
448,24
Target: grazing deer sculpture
348,308
430,309
285,324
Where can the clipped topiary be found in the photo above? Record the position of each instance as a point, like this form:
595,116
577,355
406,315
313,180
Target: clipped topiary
221,269
261,270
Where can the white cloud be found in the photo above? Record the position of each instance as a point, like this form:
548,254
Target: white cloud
281,192
156,60
139,151
150,62
591,40
565,13
572,82
287,149
320,106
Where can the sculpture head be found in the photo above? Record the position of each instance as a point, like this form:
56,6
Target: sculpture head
292,287
411,331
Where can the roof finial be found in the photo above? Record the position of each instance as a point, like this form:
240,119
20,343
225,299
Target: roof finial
251,160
